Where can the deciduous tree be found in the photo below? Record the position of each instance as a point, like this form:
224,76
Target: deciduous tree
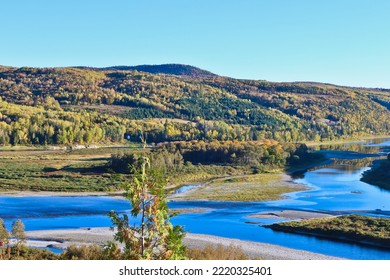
4,238
19,234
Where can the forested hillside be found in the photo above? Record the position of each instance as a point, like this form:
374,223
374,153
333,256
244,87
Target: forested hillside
91,105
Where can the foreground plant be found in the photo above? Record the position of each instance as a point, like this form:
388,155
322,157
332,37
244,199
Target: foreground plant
150,235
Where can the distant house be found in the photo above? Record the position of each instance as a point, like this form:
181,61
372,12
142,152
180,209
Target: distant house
328,122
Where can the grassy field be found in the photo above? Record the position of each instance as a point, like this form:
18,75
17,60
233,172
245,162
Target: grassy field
259,187
58,170
204,173
354,228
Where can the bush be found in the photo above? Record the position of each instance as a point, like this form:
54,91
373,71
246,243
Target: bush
217,252
84,252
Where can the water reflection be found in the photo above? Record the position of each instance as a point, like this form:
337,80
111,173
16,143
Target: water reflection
186,188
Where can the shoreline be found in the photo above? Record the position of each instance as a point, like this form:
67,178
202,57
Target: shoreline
331,237
64,194
307,167
345,141
61,239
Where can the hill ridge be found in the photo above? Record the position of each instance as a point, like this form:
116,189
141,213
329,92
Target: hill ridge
168,68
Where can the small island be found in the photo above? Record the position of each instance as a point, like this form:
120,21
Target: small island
352,228
379,174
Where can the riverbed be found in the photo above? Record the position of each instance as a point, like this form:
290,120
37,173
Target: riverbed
334,189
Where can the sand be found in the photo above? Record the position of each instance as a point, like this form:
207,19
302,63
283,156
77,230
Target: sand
63,238
290,214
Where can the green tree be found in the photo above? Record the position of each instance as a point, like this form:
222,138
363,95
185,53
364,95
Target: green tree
153,237
19,234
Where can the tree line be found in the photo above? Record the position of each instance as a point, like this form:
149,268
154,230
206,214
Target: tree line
172,156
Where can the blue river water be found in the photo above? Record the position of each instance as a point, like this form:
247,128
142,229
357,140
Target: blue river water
334,188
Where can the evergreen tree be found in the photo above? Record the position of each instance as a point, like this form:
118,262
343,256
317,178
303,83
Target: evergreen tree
153,237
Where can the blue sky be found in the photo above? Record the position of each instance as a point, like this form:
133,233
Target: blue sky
336,41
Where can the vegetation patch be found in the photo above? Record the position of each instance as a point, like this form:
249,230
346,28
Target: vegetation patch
259,187
353,228
379,175
95,252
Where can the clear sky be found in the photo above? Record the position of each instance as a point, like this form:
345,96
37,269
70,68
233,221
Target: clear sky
345,42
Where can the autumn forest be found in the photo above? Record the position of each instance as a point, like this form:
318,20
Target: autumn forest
68,106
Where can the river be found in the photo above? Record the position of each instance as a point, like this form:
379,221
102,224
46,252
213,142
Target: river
334,188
